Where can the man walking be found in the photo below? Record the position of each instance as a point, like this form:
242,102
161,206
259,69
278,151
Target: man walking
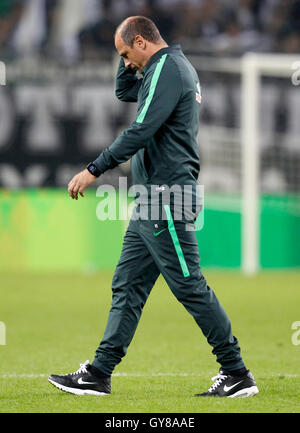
162,145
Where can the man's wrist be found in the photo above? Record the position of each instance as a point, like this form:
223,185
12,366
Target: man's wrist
93,169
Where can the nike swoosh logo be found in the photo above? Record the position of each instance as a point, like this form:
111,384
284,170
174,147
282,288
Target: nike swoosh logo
81,382
158,233
228,388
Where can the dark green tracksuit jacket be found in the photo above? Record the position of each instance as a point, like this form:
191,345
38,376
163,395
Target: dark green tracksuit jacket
162,142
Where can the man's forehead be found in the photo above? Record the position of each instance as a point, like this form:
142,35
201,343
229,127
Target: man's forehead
119,43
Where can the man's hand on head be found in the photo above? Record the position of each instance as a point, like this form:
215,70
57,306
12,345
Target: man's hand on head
79,182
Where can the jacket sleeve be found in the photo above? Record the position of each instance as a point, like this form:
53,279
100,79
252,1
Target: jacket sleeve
162,88
127,83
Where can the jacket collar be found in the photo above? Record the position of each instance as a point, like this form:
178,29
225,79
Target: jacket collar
158,54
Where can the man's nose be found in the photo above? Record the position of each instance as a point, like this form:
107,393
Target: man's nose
127,63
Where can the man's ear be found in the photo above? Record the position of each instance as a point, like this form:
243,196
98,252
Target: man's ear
139,42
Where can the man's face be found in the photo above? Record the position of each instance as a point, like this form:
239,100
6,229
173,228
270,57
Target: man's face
134,57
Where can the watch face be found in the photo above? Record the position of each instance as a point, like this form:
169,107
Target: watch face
93,169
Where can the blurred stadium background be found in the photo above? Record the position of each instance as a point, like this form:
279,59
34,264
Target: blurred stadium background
58,111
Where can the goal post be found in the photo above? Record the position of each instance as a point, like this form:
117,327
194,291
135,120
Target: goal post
250,164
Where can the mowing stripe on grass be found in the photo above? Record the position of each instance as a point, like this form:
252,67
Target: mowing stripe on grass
30,376
37,375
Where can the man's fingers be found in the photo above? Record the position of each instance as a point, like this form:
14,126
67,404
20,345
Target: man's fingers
71,187
74,189
81,189
78,184
75,192
71,193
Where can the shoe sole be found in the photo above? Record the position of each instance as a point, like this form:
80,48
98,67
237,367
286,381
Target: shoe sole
76,391
246,392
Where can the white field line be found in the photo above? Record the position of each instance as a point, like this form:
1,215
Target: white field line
15,375
37,375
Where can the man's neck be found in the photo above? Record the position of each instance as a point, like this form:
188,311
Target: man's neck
154,48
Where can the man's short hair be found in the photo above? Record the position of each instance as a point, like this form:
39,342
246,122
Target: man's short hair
139,26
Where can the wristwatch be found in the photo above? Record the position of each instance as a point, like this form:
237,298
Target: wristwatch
93,169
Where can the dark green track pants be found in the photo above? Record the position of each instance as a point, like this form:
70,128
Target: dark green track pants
166,247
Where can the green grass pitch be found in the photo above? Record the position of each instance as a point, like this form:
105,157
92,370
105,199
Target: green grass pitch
55,321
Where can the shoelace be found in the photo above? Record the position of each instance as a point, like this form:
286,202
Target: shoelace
82,368
218,380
